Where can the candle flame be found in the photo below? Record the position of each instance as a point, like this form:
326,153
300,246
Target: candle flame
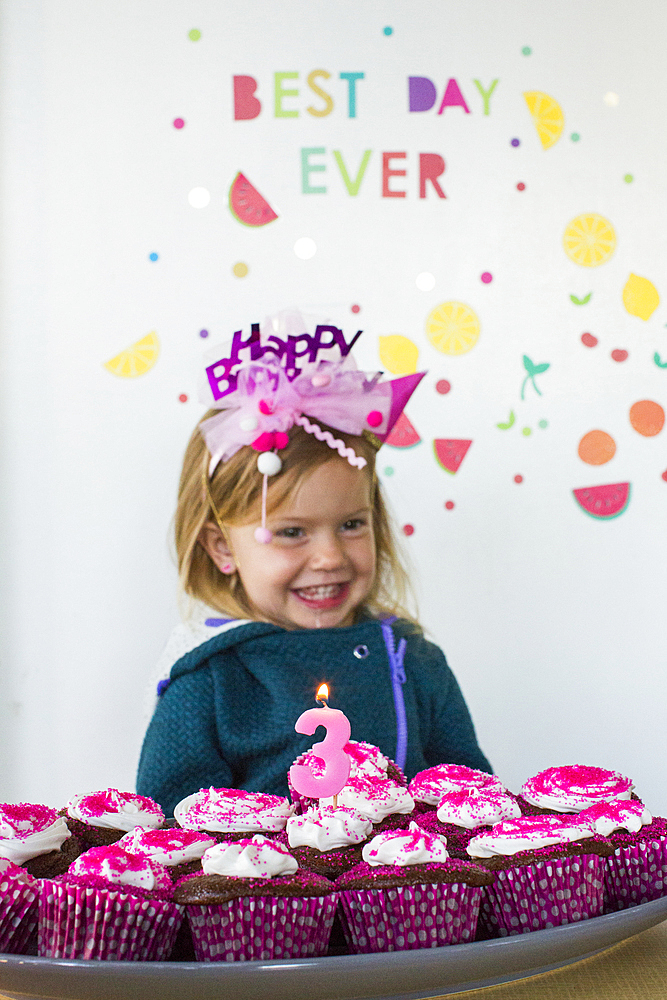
322,693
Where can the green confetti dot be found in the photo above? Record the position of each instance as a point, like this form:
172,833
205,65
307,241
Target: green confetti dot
526,50
194,35
628,178
389,471
543,424
575,137
526,432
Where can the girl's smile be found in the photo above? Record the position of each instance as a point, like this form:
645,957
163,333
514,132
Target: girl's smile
319,567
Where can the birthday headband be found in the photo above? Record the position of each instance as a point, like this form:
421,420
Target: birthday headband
265,385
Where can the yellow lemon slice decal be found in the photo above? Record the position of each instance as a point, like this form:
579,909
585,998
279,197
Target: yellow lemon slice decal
452,328
640,296
589,240
547,117
137,359
398,354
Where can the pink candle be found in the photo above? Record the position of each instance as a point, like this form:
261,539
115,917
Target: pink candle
336,762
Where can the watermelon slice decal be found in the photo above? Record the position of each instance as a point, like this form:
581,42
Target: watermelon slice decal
450,452
247,205
604,502
403,434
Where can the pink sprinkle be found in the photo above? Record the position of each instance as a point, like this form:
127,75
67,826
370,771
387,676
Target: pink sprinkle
374,418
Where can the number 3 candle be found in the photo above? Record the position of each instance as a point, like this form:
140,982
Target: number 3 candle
336,762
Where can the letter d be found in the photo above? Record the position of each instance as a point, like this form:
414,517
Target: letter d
421,93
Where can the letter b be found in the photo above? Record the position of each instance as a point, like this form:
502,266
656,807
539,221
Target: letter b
246,105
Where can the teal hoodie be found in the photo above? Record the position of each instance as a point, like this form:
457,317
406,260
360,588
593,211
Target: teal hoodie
225,717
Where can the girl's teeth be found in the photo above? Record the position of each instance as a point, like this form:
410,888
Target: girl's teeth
320,593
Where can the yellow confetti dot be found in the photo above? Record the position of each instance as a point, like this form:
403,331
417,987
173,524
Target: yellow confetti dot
240,269
398,354
452,328
589,240
640,296
547,116
137,359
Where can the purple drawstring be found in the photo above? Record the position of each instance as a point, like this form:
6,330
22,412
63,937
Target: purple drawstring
398,678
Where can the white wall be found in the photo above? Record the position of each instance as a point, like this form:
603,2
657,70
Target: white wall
554,622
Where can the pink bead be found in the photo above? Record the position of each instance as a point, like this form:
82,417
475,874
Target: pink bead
265,407
319,381
264,442
263,536
374,418
281,440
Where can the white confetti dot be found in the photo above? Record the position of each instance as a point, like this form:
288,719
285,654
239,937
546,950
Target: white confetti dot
199,197
425,281
611,99
305,248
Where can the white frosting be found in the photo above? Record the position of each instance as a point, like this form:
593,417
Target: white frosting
125,816
430,785
165,846
606,818
413,846
474,807
111,868
232,810
22,849
366,760
256,858
327,828
575,787
374,797
528,833
12,871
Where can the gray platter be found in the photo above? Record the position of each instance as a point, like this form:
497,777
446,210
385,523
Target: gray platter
399,975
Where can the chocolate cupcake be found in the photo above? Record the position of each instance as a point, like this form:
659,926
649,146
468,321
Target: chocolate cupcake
101,818
409,893
328,839
19,893
231,813
36,838
252,903
180,851
428,786
465,813
366,762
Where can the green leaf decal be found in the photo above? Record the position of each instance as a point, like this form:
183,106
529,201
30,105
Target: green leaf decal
540,368
510,421
532,370
581,302
659,363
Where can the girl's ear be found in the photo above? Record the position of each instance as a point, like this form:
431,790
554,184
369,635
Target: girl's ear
215,545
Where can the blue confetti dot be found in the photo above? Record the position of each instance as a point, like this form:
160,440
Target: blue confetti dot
515,142
203,333
152,256
388,30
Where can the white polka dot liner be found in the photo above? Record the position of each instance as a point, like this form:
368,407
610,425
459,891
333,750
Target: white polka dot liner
635,874
77,922
262,928
407,917
18,915
543,894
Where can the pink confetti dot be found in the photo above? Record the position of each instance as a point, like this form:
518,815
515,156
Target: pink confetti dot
408,529
443,386
521,186
355,308
374,418
518,479
449,505
183,398
588,340
179,122
664,475
487,277
619,355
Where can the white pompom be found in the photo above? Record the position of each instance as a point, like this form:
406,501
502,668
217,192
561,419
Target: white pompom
249,424
268,463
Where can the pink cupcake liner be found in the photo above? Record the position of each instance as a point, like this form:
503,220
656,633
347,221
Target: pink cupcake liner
18,915
84,922
542,894
635,874
409,916
251,928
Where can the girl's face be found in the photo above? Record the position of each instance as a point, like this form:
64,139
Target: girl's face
320,566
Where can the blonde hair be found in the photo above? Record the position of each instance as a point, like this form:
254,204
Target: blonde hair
235,489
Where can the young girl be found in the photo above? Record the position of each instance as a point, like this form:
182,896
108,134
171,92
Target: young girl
294,552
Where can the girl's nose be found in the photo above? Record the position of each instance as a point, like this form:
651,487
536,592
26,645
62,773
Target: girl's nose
327,551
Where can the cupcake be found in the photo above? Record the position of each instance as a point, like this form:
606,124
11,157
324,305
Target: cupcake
549,871
466,812
572,788
180,851
408,893
428,786
109,905
328,839
253,902
103,817
637,870
229,813
383,801
366,761
19,893
36,838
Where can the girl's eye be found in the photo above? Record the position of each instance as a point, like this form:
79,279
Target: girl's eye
289,532
354,524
